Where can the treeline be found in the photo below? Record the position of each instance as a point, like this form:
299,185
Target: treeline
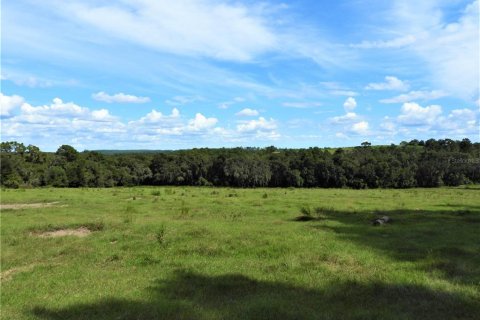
430,163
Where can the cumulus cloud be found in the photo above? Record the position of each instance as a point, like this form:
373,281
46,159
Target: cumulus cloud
9,103
391,83
66,122
119,98
412,114
257,125
200,122
156,116
460,121
415,119
247,112
350,104
415,95
361,128
347,118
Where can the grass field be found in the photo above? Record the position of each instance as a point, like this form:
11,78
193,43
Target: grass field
220,253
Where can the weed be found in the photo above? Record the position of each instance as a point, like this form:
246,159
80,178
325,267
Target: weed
156,193
265,196
112,258
306,211
160,234
184,210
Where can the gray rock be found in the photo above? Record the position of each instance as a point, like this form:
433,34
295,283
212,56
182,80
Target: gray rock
381,221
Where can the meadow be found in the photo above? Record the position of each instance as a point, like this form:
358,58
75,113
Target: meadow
225,253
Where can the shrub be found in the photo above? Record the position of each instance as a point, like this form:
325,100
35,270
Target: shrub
306,211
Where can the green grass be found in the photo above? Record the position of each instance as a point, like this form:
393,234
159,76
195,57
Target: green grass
220,253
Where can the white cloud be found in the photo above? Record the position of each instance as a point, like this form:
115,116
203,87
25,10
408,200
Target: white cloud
302,105
227,104
257,125
350,104
412,114
154,117
57,108
102,115
68,123
386,44
347,118
200,122
415,95
361,128
27,80
459,121
450,49
388,125
228,31
247,112
415,120
391,83
182,100
338,89
119,98
9,103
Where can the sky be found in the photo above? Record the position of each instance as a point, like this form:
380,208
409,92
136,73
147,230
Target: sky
153,74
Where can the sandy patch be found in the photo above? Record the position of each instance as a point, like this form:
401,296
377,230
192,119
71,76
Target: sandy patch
18,206
8,274
79,232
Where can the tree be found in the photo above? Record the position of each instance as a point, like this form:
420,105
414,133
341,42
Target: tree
67,152
365,144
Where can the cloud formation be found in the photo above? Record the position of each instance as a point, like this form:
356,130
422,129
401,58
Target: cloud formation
67,122
8,103
350,104
119,98
391,83
415,95
247,112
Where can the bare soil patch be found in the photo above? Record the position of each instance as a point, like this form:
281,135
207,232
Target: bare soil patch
18,206
79,232
8,274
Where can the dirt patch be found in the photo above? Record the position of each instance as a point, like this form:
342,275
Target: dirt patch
18,206
79,232
8,274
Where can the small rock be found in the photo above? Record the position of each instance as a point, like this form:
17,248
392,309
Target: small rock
381,221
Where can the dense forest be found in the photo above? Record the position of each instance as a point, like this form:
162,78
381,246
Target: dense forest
430,163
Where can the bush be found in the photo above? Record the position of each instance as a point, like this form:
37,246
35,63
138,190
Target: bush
306,211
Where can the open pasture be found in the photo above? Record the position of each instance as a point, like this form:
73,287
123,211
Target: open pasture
222,253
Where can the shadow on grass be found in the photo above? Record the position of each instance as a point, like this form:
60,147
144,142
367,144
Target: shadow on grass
190,295
442,242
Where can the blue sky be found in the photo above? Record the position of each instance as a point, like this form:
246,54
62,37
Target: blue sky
135,74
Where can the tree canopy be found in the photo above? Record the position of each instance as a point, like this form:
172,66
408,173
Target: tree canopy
430,163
